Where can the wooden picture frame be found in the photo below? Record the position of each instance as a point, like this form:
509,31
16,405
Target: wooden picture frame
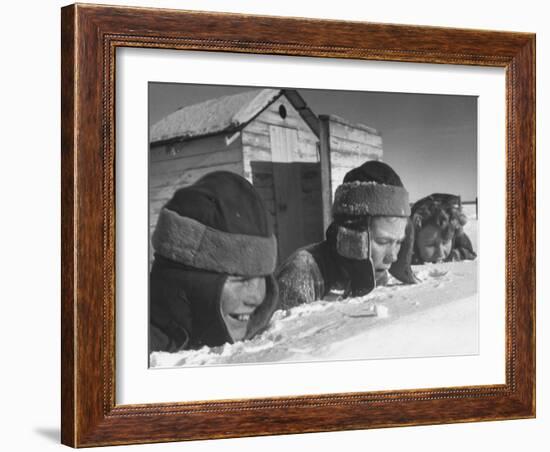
90,36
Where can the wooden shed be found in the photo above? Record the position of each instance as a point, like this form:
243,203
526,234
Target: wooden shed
271,137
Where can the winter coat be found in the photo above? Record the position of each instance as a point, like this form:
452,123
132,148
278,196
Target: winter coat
312,273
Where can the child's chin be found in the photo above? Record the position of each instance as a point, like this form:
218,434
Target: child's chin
238,334
381,276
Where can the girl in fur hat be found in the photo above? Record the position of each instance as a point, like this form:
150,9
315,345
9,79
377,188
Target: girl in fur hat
439,235
211,281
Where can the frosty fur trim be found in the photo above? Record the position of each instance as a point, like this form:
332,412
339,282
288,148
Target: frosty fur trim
371,198
190,242
353,244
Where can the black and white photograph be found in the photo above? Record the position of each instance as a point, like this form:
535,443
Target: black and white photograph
296,225
274,226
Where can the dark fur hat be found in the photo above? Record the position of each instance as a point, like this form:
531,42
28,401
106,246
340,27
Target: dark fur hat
217,224
373,188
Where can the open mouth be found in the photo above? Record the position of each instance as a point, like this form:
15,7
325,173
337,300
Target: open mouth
240,317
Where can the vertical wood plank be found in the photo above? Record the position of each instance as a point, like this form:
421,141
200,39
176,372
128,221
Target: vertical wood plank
284,143
326,184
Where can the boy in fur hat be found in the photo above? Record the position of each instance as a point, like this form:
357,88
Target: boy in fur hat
370,235
438,229
211,281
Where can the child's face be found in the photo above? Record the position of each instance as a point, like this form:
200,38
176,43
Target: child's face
387,234
239,299
431,245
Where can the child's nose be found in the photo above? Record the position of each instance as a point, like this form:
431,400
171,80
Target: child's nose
391,253
254,293
439,253
253,299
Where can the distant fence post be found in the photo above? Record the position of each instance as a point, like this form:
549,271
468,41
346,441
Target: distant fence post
471,203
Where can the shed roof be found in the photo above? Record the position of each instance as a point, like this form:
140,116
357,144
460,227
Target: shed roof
225,114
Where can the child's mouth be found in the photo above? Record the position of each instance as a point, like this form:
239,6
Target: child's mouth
240,317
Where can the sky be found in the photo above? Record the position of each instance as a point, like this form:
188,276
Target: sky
429,140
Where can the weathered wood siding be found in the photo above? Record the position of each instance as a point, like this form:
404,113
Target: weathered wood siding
351,145
256,137
288,180
177,165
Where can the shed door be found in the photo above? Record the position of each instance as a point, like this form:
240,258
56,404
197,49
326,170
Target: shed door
297,194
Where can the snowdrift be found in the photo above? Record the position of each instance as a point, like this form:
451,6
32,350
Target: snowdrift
437,317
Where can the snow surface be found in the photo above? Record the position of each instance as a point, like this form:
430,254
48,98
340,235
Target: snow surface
437,317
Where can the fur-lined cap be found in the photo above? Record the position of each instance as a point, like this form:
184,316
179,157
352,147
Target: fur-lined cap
371,198
373,188
217,224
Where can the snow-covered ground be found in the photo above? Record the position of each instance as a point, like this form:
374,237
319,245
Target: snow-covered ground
437,317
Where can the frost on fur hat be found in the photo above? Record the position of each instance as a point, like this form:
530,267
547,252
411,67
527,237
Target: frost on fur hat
374,188
217,224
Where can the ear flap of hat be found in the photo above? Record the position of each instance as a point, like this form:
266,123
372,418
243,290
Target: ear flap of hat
353,244
353,247
401,268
